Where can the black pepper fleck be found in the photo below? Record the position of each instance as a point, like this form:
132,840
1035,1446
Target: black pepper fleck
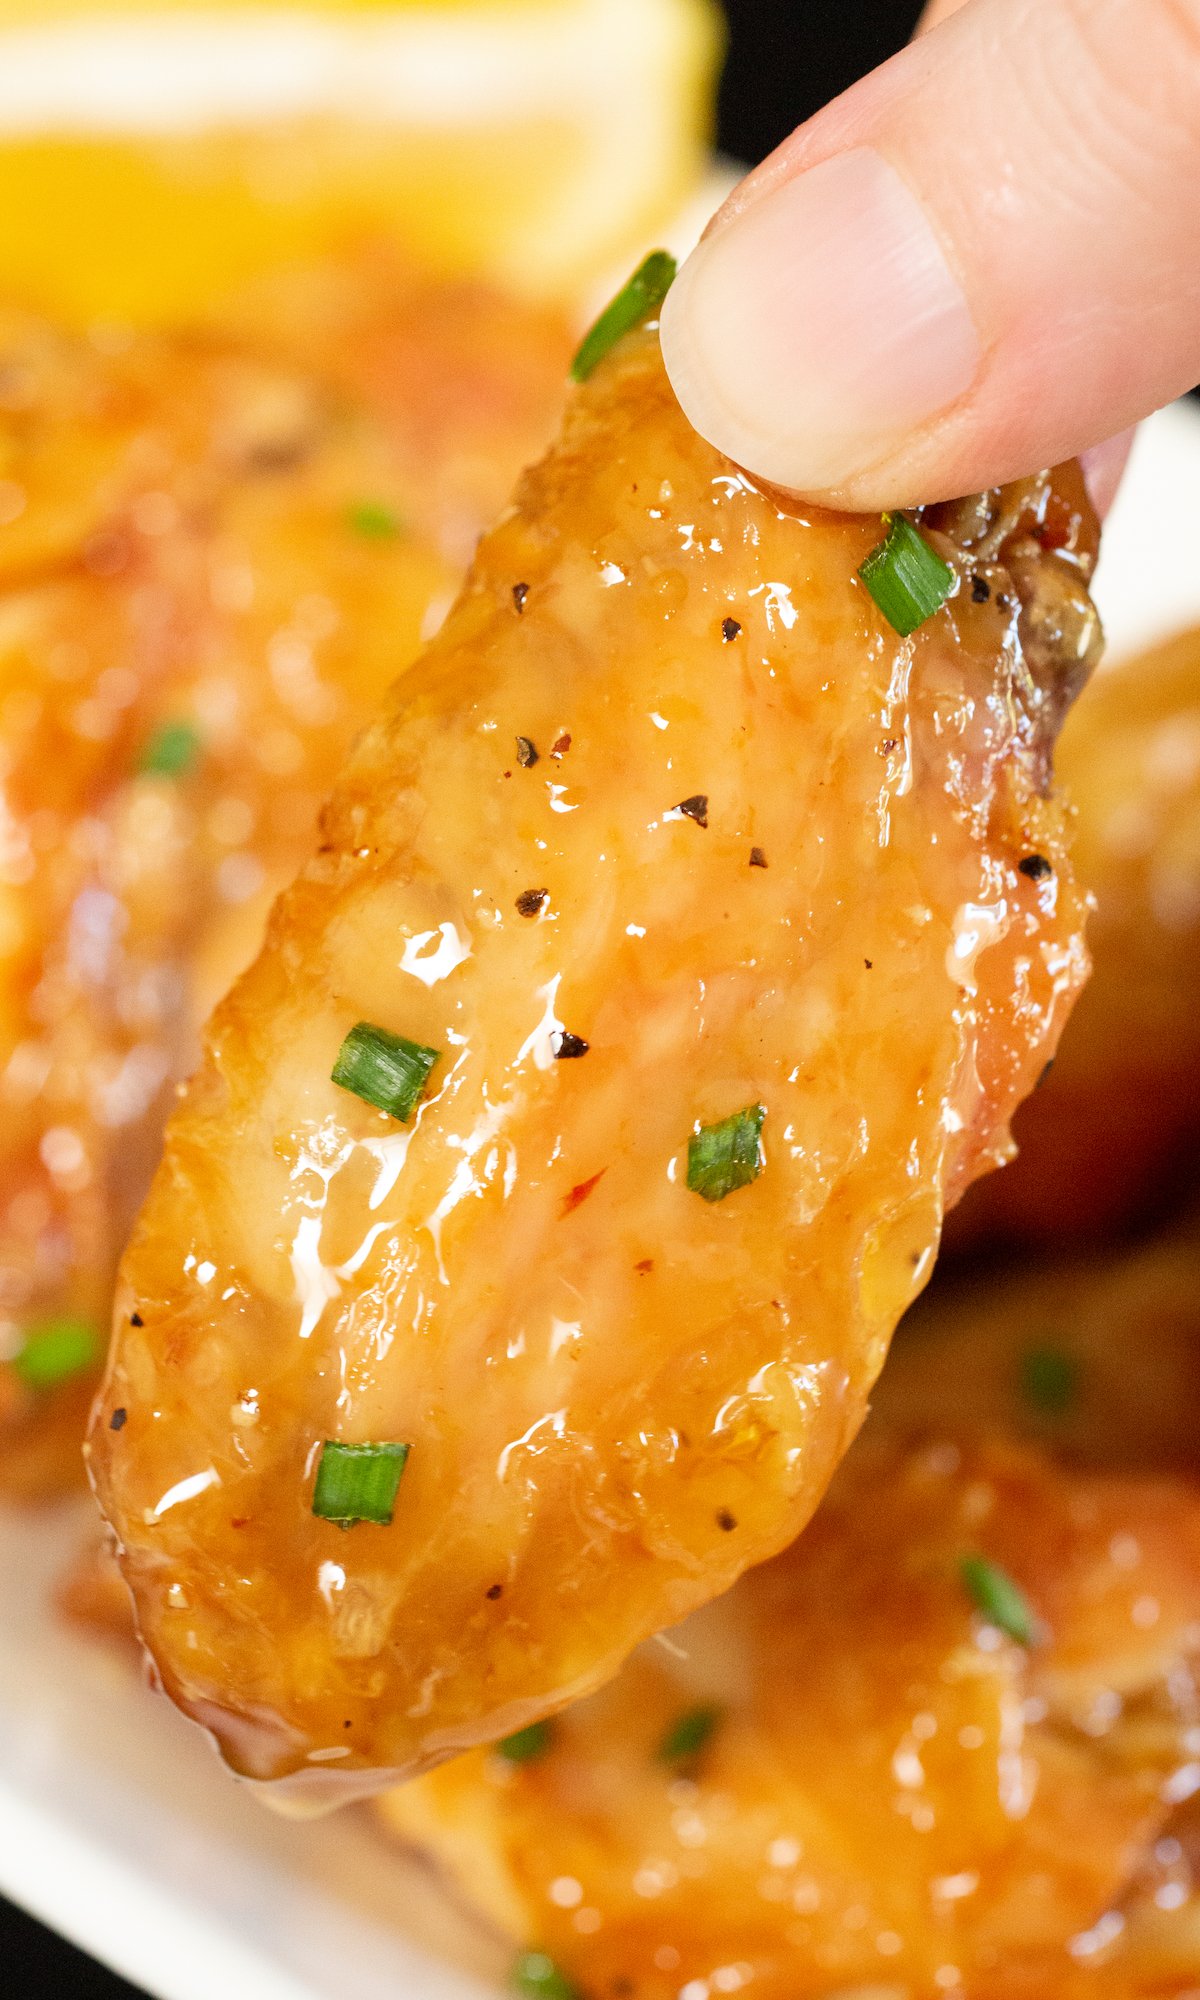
520,593
726,1521
569,1045
530,901
495,1590
135,1319
981,589
527,755
694,808
757,858
869,963
117,1420
730,631
1036,867
1046,1069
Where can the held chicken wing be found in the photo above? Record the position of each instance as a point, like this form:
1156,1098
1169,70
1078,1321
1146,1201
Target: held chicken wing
679,942
216,552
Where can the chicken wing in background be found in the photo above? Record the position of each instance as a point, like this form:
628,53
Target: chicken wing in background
217,551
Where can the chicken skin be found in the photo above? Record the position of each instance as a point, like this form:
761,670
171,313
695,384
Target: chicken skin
216,552
682,940
876,1767
1113,1132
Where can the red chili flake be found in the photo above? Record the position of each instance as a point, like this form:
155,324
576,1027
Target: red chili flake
1036,867
117,1420
726,1521
519,594
240,1521
568,1046
527,755
494,1590
581,1193
530,901
560,748
694,808
730,631
757,858
644,1264
887,746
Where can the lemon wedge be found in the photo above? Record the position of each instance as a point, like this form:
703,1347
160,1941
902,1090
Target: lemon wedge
155,156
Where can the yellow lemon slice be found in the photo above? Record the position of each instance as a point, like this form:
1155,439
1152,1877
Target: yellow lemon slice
155,156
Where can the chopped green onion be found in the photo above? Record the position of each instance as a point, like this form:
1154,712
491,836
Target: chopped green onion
538,1978
358,1482
906,576
171,751
688,1735
526,1744
385,1070
375,520
644,293
1048,1379
55,1350
993,1592
726,1156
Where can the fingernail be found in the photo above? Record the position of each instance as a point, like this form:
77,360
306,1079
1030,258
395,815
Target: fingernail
809,336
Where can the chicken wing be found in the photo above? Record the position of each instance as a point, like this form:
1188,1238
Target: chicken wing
710,933
940,1745
1113,1132
216,552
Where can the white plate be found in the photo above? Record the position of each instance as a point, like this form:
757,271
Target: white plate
117,1824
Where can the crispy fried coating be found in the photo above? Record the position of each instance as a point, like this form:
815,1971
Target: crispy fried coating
216,551
616,1394
1111,1135
896,1797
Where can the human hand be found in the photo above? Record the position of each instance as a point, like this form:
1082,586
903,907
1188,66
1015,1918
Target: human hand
983,258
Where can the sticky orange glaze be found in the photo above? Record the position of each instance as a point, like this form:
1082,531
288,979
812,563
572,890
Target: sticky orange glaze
617,1394
1113,1131
180,541
896,1799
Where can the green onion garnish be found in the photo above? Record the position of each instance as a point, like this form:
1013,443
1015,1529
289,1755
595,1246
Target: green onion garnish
374,519
358,1482
726,1156
993,1592
538,1978
171,751
526,1744
906,576
635,302
55,1350
1048,1379
688,1735
385,1070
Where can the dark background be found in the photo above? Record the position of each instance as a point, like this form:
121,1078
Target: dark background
786,59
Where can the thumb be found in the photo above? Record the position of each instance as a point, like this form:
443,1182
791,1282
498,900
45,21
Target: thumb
982,259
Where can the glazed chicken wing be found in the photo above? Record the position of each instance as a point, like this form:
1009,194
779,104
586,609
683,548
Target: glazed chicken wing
943,1744
216,552
682,941
1113,1132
